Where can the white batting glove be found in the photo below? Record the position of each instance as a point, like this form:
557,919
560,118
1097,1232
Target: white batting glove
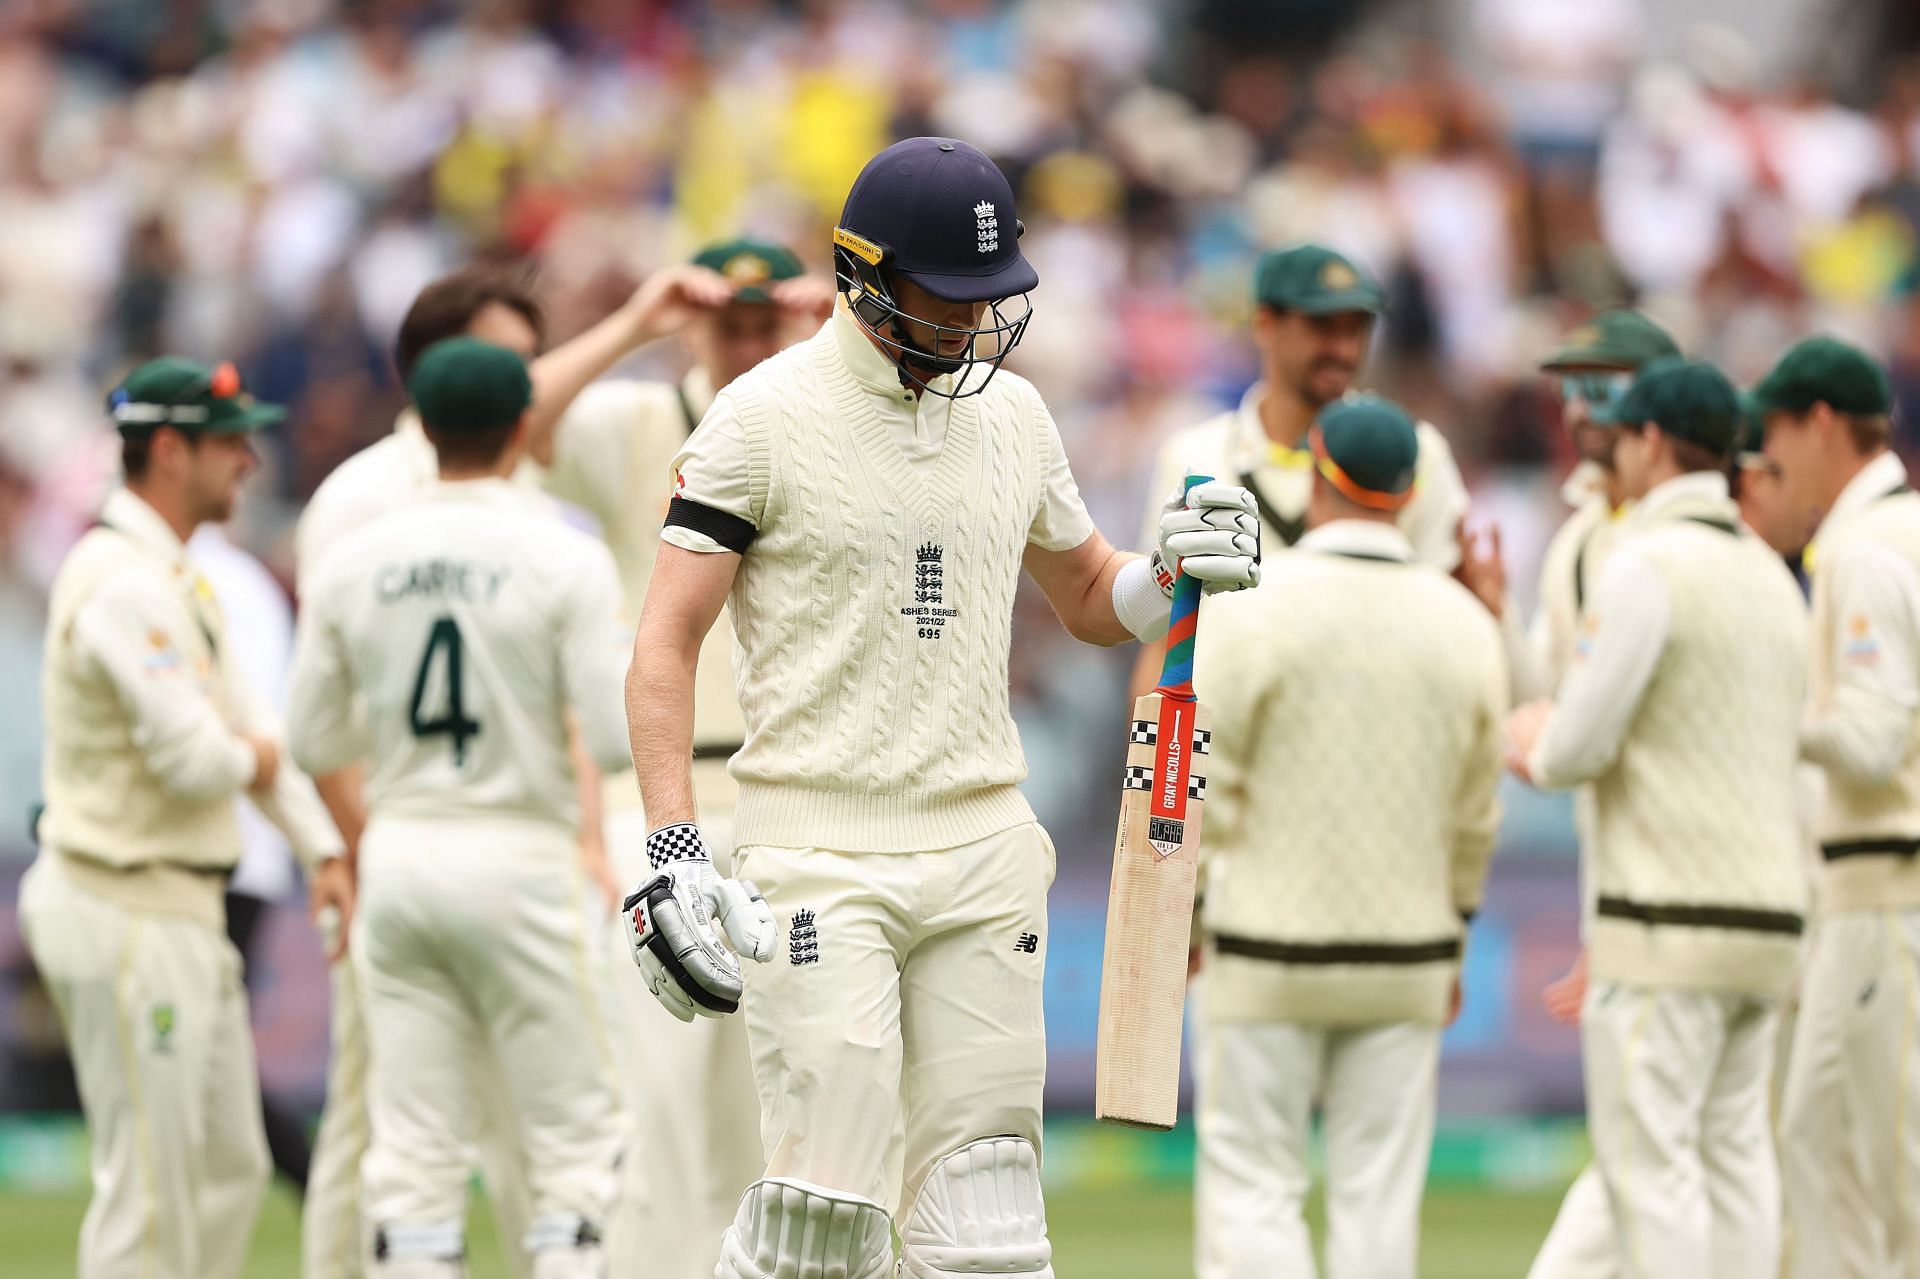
1212,532
670,926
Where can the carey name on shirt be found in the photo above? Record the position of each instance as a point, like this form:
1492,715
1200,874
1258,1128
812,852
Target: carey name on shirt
440,579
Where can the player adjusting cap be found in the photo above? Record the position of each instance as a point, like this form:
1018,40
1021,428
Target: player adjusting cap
176,392
1368,449
750,265
940,213
1620,338
464,384
1689,400
1314,279
1825,370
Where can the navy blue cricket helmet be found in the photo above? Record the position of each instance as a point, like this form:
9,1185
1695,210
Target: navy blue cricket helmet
938,213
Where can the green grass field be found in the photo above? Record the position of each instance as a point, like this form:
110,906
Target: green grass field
1103,1233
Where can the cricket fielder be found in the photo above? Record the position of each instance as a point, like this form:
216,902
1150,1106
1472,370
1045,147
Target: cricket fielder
1850,1120
150,738
1680,708
694,1152
864,502
1313,321
497,306
1338,903
447,643
1594,366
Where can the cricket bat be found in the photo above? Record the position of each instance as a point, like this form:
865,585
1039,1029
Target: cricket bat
1143,980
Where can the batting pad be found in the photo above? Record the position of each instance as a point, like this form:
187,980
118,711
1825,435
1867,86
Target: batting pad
979,1213
788,1229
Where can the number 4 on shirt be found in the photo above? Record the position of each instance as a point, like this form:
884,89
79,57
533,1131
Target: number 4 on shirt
443,638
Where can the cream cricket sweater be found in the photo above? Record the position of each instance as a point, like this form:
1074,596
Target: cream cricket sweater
873,611
1358,702
1866,605
1696,855
142,760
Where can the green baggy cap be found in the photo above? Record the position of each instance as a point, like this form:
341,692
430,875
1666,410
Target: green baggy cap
1315,280
750,265
1615,339
1825,370
1368,449
191,396
464,384
1689,400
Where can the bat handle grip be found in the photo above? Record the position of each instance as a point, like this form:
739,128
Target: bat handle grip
1183,624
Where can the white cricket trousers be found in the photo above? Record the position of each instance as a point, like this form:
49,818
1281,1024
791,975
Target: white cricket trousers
1581,1244
331,1244
156,1024
1677,1087
900,1018
1850,1122
469,934
1375,1086
689,1089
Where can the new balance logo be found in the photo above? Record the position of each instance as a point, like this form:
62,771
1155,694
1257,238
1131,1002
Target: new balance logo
803,940
1028,944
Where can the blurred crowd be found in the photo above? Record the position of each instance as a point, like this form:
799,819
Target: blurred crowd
271,181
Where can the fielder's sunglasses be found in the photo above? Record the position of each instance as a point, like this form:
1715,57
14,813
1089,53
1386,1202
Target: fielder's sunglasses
1599,390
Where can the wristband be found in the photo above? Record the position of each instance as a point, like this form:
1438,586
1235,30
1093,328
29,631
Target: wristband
679,842
1139,601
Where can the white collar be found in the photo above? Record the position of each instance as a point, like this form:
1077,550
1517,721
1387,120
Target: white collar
697,392
129,514
487,488
1694,486
1586,482
1365,538
1873,481
872,370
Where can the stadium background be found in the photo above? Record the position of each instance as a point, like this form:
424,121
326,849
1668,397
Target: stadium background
272,182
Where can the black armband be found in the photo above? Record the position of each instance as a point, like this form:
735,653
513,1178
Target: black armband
730,531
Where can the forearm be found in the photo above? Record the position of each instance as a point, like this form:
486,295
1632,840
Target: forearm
1860,738
1098,619
1080,585
303,817
660,730
562,373
343,794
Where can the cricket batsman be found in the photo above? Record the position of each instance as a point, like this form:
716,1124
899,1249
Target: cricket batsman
150,739
694,1153
864,501
1681,707
1339,902
1850,1118
448,644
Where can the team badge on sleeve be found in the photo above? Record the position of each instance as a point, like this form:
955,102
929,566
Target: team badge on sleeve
1863,646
